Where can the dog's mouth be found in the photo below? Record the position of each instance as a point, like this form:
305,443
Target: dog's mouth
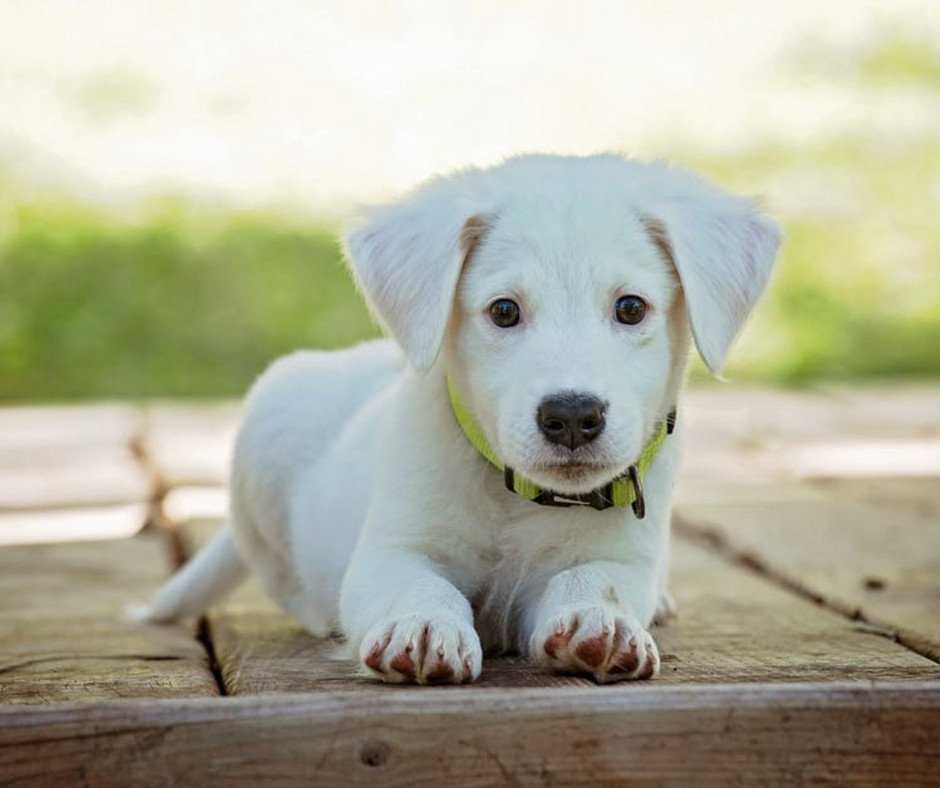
572,470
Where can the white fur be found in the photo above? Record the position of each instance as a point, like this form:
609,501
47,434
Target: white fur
360,503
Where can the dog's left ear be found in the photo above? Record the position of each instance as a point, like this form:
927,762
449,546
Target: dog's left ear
723,249
407,258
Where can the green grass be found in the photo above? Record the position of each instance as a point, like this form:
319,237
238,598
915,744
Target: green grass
172,305
857,289
184,302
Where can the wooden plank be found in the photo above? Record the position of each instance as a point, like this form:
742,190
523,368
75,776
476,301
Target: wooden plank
191,444
182,504
746,734
858,458
920,495
743,415
63,635
69,456
748,434
879,564
38,526
53,428
101,476
733,627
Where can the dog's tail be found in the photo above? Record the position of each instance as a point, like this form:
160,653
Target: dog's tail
212,573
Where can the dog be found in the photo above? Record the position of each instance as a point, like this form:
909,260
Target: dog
496,476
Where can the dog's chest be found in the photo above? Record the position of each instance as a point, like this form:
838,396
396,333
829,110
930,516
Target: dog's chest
531,544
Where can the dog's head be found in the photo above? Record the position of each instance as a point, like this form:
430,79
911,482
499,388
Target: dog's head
562,291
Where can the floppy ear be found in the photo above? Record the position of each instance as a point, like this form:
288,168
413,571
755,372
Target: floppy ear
723,249
407,258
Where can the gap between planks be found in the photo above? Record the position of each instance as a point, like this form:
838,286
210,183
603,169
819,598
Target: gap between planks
176,554
711,538
177,557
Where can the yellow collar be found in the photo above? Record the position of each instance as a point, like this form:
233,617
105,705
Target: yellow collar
626,490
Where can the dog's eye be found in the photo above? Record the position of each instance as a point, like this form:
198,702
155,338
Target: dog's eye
630,309
504,312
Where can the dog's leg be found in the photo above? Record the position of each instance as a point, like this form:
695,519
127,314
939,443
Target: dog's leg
412,624
592,619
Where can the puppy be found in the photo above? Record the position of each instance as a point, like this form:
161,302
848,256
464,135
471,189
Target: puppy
497,476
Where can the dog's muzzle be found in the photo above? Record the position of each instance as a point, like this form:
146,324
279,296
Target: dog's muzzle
623,491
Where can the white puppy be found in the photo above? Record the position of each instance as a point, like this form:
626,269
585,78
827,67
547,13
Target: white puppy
541,313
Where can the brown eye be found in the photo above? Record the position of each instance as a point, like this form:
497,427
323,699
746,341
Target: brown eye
630,309
504,312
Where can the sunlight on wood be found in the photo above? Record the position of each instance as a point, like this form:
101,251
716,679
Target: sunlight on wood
72,525
196,503
852,459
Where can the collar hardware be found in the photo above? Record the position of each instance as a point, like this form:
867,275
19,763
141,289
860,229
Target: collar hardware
599,499
639,500
625,490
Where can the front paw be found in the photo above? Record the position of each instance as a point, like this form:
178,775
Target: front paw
597,641
422,650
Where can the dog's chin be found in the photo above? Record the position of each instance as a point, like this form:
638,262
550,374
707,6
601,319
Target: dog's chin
571,478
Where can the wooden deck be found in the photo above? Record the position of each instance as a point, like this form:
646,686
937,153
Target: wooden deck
807,647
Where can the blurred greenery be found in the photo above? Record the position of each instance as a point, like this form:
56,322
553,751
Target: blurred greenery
178,303
902,59
186,301
856,293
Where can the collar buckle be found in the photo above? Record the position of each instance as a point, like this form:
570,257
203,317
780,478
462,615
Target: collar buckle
599,499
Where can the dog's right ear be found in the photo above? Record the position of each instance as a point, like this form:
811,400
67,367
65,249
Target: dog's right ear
407,258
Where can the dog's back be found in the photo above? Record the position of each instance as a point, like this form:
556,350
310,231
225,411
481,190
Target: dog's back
296,410
295,413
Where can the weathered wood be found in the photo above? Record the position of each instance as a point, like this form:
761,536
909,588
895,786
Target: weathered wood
880,564
745,734
64,635
732,627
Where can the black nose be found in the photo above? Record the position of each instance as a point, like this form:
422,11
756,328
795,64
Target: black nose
571,419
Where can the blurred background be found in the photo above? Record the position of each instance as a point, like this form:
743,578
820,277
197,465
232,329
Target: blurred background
172,175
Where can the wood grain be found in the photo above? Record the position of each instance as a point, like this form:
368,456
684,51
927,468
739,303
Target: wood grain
63,635
745,734
879,564
733,627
